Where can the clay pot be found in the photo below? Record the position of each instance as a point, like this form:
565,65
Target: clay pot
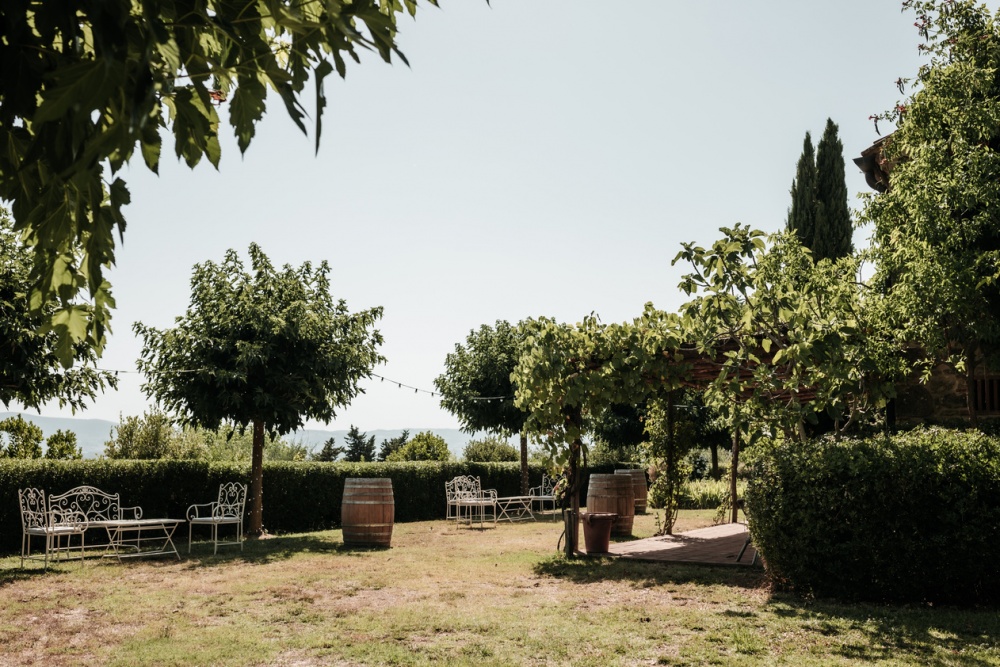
597,531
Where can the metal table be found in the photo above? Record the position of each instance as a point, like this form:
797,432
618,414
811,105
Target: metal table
143,537
514,508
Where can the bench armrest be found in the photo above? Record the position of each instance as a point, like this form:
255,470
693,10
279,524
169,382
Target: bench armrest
136,512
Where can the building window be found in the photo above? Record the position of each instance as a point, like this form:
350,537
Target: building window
987,395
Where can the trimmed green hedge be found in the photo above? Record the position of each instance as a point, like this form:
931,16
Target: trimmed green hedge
298,497
909,517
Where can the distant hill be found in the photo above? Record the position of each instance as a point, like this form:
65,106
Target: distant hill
91,434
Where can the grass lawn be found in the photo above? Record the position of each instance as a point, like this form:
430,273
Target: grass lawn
454,595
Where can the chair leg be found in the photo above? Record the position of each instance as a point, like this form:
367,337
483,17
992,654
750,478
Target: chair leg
215,539
190,527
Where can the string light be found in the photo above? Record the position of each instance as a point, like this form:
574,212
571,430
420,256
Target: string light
399,385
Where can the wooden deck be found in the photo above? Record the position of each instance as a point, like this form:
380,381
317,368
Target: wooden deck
715,545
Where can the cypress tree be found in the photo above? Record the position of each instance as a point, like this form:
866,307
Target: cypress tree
834,230
802,214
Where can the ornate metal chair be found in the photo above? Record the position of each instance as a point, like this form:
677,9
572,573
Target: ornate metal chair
227,510
466,493
543,494
52,525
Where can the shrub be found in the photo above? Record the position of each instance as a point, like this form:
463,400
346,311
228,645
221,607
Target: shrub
491,448
425,446
909,517
708,494
298,496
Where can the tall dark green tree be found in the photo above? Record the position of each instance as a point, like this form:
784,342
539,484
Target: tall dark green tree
264,349
802,214
476,386
330,451
359,446
834,229
819,215
390,445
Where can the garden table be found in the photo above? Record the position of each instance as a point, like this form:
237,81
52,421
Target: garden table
476,507
515,508
156,535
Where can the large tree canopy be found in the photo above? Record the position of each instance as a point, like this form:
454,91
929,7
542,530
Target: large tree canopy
936,231
477,387
30,371
84,84
264,348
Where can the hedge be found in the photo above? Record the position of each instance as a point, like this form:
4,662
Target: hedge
298,497
910,517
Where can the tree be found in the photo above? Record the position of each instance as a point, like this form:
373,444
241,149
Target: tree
936,230
359,446
802,214
492,448
819,215
834,228
84,85
24,439
424,446
264,349
30,368
330,451
62,445
390,445
148,437
477,387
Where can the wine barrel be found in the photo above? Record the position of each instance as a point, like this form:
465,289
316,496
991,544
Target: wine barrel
613,493
638,488
367,512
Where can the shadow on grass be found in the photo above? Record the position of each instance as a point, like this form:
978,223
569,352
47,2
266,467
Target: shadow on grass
585,570
930,635
270,550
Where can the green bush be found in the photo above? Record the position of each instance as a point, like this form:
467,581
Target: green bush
708,494
909,517
490,448
298,496
425,446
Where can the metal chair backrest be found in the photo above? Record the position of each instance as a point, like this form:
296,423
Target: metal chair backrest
232,498
34,512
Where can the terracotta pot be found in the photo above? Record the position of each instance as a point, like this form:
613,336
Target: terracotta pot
597,531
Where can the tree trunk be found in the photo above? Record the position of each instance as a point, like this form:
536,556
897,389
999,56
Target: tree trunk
714,448
524,463
573,521
672,462
970,388
257,483
732,475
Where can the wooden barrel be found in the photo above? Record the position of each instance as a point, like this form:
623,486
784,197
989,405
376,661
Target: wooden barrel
613,493
367,512
638,488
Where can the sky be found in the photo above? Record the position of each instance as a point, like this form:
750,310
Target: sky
537,157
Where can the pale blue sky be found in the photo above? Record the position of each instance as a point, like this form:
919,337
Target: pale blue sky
539,157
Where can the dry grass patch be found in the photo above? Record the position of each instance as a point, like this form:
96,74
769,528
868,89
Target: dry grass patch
447,594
